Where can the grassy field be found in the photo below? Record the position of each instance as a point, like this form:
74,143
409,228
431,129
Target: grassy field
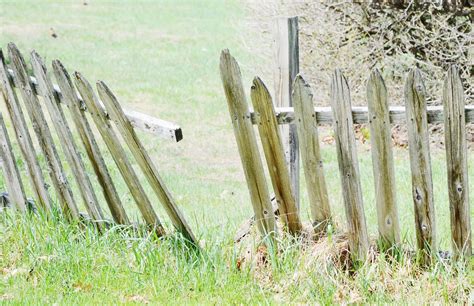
161,57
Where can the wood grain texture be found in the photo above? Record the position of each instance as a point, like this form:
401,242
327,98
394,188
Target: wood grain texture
286,115
66,139
420,163
275,156
349,166
382,161
118,153
13,181
456,161
286,69
43,134
247,145
74,104
144,122
40,192
144,161
310,154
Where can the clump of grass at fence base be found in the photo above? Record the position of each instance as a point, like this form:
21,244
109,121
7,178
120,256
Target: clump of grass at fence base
53,261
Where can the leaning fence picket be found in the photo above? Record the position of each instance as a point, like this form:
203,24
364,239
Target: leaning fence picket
118,153
88,139
456,161
144,161
43,133
247,144
307,128
23,138
349,165
418,146
275,156
15,189
382,160
70,150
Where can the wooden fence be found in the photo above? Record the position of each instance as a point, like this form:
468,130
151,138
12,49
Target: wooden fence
304,118
77,96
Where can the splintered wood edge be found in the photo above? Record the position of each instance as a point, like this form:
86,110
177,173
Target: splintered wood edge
141,121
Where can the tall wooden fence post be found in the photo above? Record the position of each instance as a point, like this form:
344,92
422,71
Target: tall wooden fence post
382,160
247,144
307,127
456,160
418,145
287,67
349,165
275,156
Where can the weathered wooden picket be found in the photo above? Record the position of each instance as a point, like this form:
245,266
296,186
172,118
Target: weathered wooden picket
106,112
304,118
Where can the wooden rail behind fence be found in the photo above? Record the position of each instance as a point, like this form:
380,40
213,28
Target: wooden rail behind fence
304,119
76,95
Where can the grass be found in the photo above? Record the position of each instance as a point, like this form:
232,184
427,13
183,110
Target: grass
161,57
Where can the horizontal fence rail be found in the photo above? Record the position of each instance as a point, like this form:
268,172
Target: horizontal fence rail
397,114
143,122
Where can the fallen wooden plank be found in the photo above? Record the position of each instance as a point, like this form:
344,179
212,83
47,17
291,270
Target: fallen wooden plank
143,122
286,115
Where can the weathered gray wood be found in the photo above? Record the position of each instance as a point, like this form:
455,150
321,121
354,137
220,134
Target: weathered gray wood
144,122
247,144
349,165
118,153
69,96
23,138
144,161
287,67
456,161
420,162
40,126
310,154
275,156
382,160
285,115
10,170
70,150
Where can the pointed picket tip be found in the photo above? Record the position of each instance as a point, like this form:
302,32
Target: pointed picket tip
453,76
226,58
301,89
58,66
299,79
37,60
339,80
15,54
258,84
229,67
375,77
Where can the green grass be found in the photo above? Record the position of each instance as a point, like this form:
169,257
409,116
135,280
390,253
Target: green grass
161,57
